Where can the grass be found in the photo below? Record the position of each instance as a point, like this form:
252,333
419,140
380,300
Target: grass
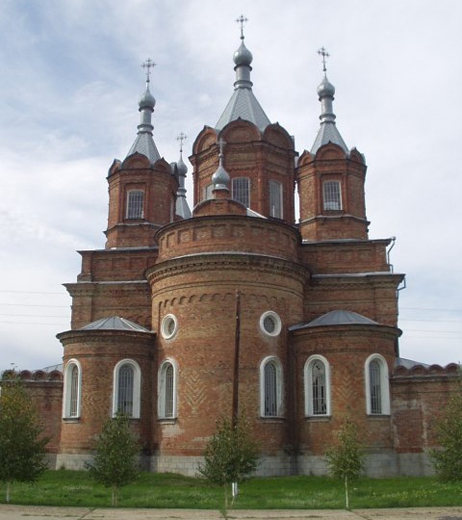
151,490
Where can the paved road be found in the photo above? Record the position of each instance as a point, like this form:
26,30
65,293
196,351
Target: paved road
8,512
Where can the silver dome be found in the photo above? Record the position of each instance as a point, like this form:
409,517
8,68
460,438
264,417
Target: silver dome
242,56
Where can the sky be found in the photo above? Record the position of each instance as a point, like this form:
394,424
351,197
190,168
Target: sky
71,79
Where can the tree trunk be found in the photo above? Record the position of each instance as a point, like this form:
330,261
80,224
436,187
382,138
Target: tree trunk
8,492
114,496
347,497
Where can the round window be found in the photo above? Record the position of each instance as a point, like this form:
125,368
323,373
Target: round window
169,326
270,323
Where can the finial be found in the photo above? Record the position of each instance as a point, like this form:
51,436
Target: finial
322,52
182,137
221,144
148,65
242,20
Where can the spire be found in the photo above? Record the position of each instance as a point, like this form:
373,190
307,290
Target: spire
182,207
221,178
328,132
144,143
243,104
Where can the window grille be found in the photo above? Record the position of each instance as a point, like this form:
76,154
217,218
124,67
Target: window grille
241,190
74,392
125,390
375,387
275,199
135,203
331,196
270,389
318,387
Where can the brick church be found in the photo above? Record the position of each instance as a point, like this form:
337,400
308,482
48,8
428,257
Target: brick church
311,305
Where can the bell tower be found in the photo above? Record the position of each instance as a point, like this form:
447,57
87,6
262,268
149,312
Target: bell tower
331,179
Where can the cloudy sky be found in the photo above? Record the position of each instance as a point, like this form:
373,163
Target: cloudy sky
71,79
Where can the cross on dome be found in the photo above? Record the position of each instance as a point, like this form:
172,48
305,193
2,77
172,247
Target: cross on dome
182,137
148,65
242,20
221,144
322,52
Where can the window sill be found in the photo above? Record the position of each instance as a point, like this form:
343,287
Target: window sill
275,419
318,418
71,420
378,416
169,420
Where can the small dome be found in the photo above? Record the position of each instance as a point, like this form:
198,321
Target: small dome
326,88
242,56
221,177
182,168
147,99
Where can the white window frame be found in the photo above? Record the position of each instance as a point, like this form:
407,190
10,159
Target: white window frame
384,385
275,211
136,388
279,386
208,191
308,379
68,392
276,320
241,193
135,204
162,389
169,319
332,198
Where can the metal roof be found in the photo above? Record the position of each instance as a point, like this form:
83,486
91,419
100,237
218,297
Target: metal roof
243,105
338,317
144,144
114,323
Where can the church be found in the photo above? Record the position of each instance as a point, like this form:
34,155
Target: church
186,314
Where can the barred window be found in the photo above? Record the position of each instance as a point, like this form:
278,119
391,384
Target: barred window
275,199
317,386
72,390
127,388
167,391
135,204
332,196
377,386
271,387
241,190
74,397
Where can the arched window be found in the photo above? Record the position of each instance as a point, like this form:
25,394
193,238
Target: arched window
127,384
241,190
167,390
135,204
332,197
275,199
377,386
72,389
317,386
208,191
271,387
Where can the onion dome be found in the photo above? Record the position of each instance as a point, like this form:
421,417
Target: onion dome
147,100
182,168
242,56
221,178
182,207
326,88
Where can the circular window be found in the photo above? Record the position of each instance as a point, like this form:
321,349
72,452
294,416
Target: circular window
169,326
270,323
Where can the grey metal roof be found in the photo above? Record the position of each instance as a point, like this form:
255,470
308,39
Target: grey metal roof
114,323
409,363
144,144
338,317
243,105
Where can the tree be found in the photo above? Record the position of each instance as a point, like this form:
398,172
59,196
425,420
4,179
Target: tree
231,455
448,460
115,461
22,443
344,458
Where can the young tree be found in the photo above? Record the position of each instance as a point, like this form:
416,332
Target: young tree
22,444
448,460
231,454
344,458
115,461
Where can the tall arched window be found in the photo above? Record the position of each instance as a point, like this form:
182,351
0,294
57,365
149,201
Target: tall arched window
377,386
317,386
167,390
241,190
275,199
72,389
135,204
271,387
127,383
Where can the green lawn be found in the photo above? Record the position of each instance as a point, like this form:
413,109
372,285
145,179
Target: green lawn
74,488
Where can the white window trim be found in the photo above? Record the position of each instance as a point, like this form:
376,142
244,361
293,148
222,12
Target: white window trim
248,188
163,327
279,387
325,202
127,212
384,385
277,320
161,389
308,374
67,390
280,188
136,387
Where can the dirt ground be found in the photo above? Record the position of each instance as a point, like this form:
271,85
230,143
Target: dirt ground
8,512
